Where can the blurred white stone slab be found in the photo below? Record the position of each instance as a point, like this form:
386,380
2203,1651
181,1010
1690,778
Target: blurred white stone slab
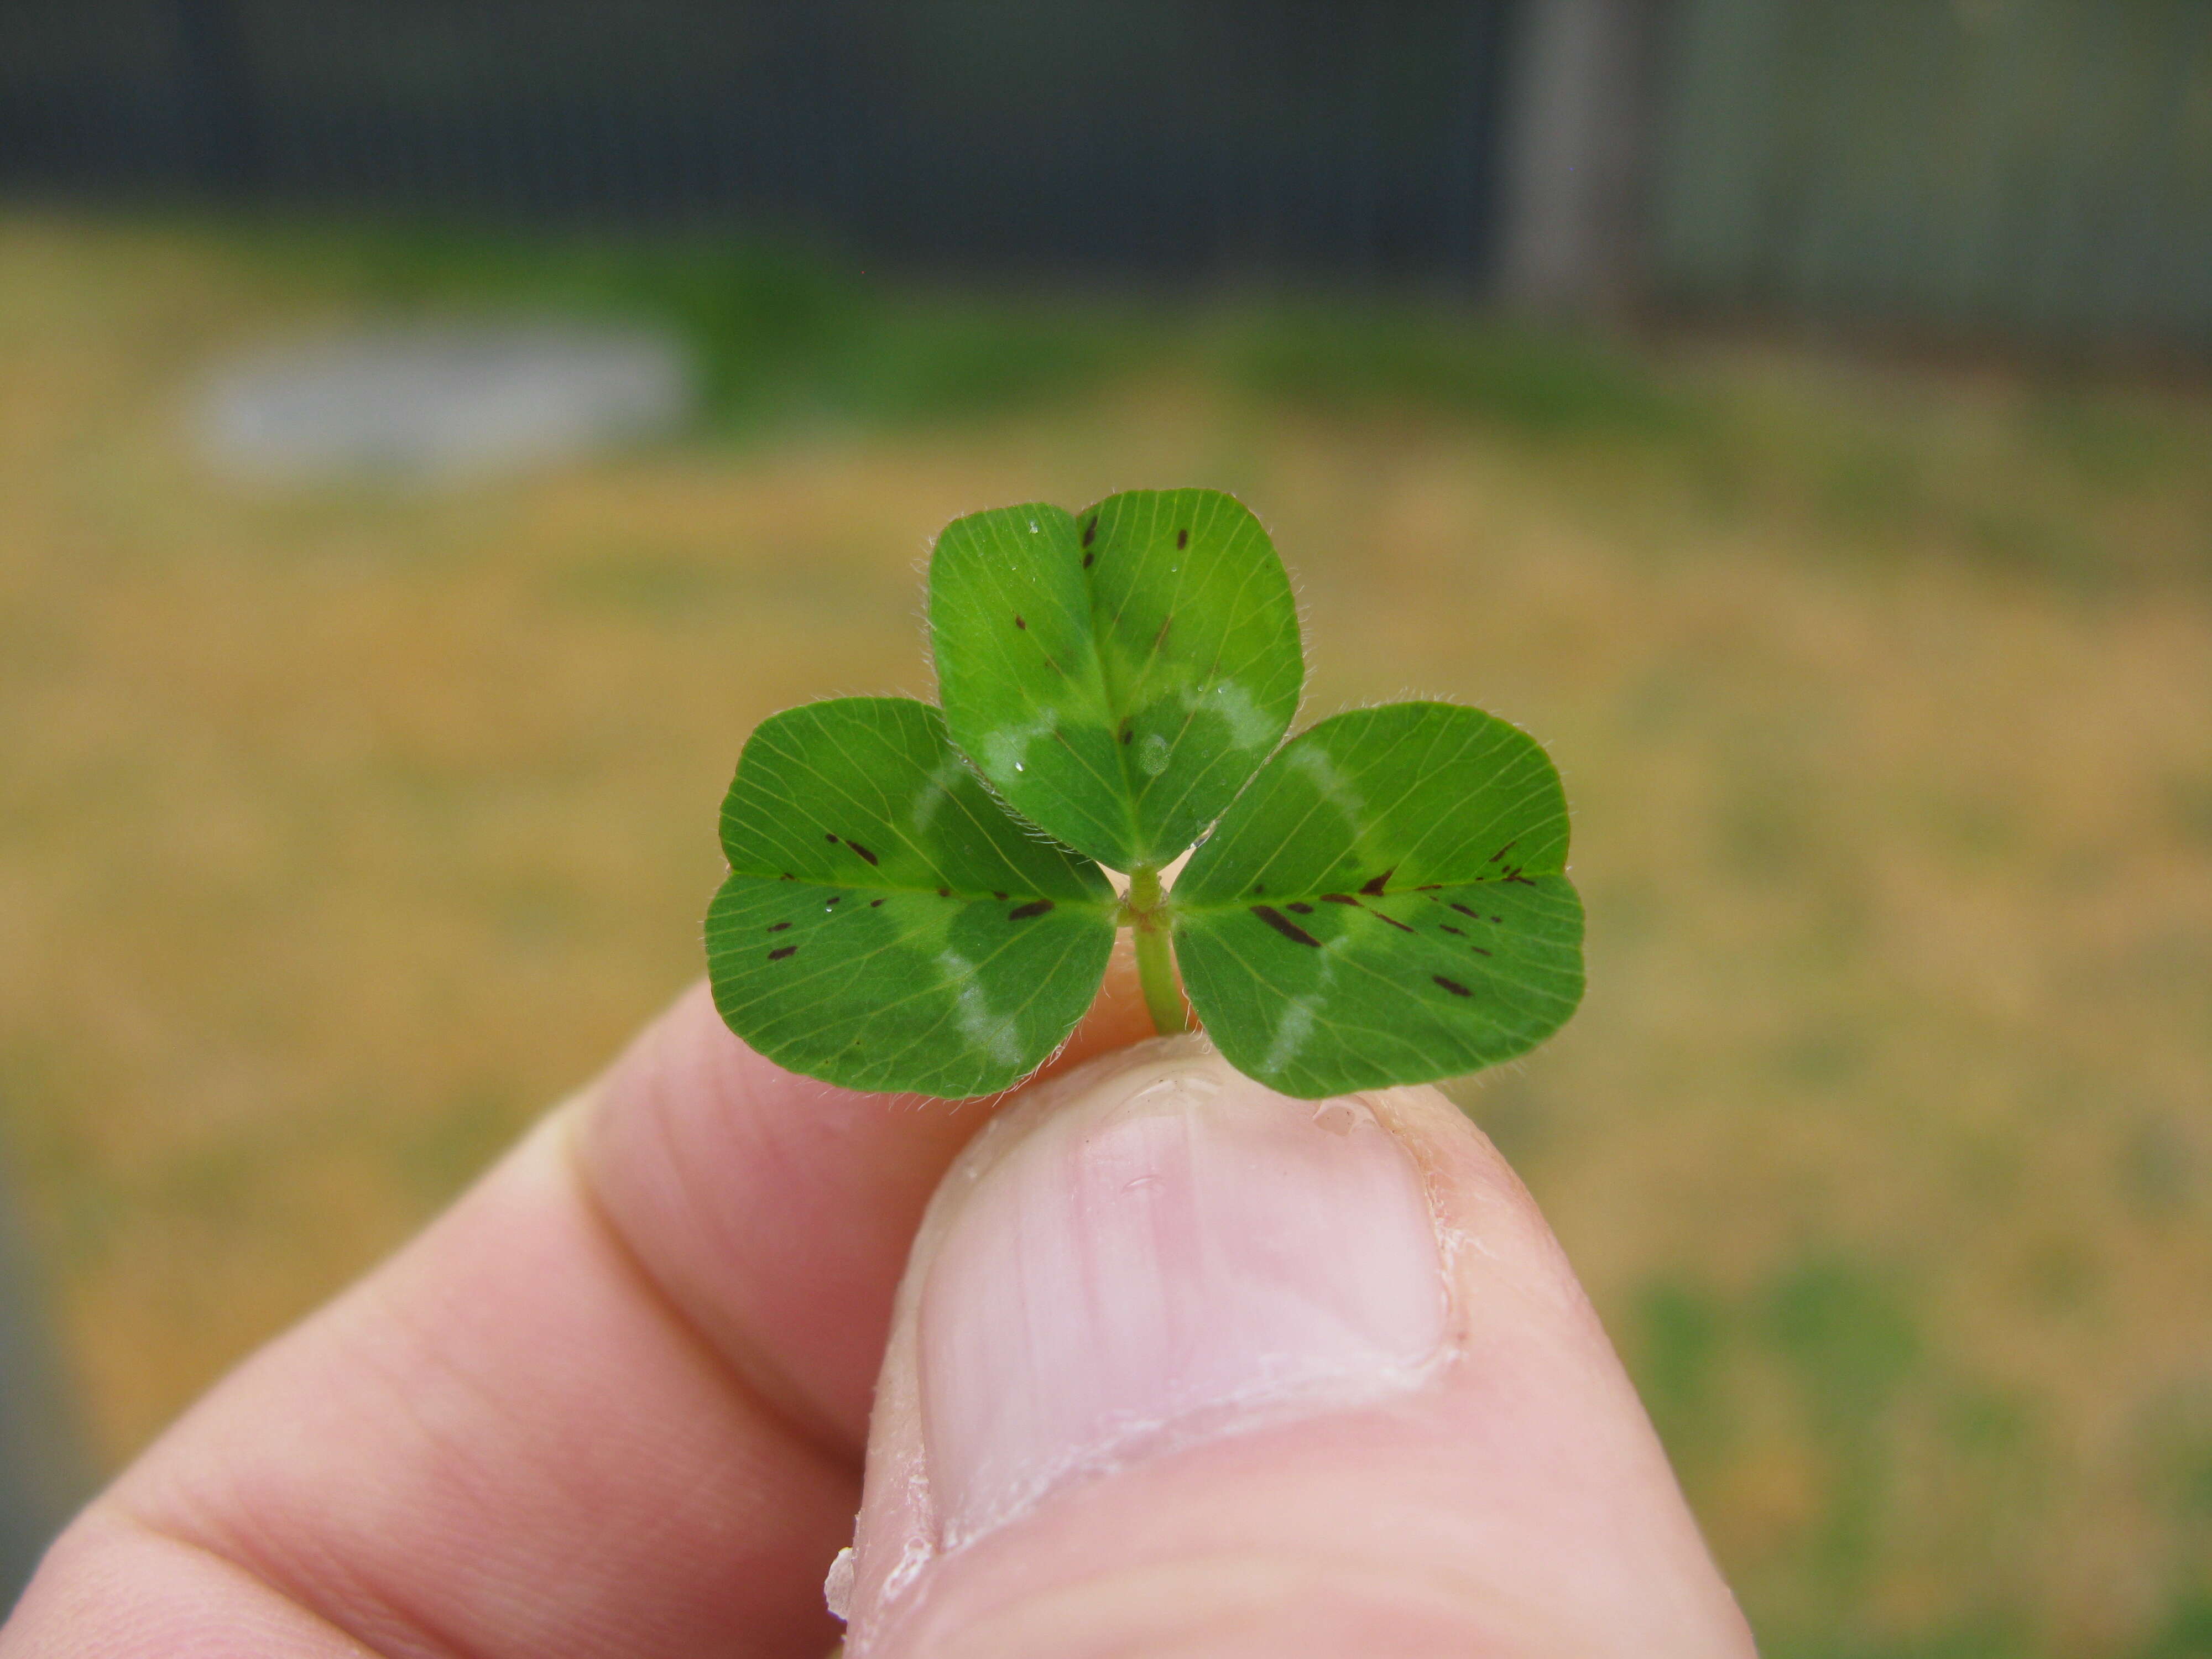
433,403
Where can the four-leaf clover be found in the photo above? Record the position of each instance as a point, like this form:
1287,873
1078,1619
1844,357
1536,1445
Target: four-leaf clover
916,902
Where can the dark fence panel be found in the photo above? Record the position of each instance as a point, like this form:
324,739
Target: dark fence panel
1350,136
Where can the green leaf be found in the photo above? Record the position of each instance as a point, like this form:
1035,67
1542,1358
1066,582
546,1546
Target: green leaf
1117,674
1385,904
885,925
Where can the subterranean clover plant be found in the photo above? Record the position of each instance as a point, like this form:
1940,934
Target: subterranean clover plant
915,900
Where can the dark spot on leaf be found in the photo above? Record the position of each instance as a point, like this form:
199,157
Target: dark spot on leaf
1128,728
872,904
1258,889
1302,909
944,892
787,876
1502,851
779,928
1464,911
1090,529
1453,931
1478,949
1374,889
1024,912
1283,925
861,850
1018,622
1515,875
1182,538
781,953
1340,898
832,840
1452,985
1393,920
998,895
1498,918
1160,638
835,900
1428,887
1087,558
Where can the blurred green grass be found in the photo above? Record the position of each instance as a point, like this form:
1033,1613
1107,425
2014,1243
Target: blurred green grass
785,337
341,831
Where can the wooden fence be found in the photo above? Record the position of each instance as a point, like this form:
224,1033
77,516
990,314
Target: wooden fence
2039,168
1341,136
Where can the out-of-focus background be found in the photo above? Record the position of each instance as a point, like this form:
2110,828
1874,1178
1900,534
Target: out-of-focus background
431,435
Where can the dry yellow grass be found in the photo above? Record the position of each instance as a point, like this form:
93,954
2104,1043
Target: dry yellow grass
338,835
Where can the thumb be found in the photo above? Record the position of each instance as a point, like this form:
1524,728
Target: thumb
1183,1366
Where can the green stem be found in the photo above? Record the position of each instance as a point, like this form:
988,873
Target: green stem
1155,965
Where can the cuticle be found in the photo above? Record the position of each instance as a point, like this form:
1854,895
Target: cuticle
1453,1241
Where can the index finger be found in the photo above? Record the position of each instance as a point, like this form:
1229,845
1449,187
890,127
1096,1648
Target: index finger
775,1212
613,1401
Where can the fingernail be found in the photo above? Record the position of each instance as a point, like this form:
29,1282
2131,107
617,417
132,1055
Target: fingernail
1174,1253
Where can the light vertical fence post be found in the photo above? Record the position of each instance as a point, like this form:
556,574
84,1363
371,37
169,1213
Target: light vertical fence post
1580,109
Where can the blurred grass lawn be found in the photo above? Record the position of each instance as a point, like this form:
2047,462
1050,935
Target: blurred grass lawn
339,833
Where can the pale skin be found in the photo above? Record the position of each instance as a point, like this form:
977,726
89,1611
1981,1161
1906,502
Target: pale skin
617,1401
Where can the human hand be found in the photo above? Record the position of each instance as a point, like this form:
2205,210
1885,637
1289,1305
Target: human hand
1179,1367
